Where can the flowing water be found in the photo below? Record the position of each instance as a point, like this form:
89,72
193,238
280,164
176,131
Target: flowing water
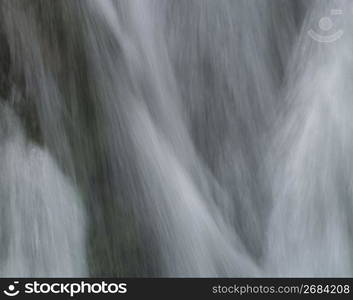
176,138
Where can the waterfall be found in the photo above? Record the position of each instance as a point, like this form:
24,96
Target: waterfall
42,219
176,138
310,231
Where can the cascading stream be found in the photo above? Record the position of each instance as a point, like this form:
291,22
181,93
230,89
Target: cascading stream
175,138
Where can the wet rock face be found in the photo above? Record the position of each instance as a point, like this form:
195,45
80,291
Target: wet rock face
4,66
13,87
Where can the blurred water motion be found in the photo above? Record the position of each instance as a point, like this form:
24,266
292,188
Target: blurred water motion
176,138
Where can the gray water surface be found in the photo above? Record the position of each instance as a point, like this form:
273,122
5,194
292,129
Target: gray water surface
176,138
